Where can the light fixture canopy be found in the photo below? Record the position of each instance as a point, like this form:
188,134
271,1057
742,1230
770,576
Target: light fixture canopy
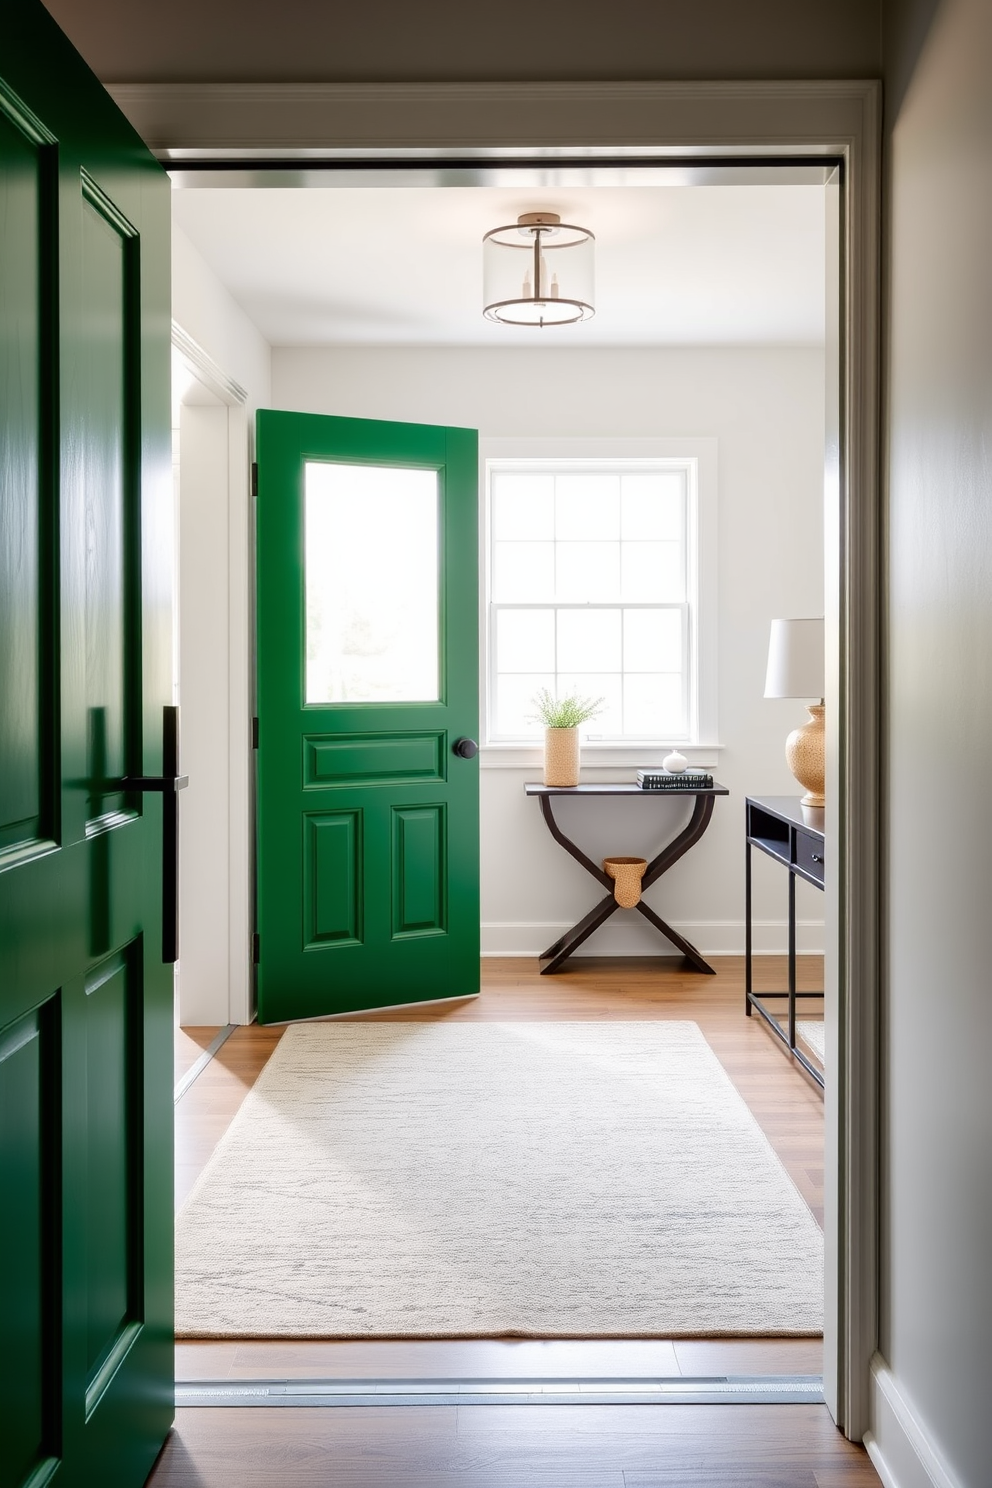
538,271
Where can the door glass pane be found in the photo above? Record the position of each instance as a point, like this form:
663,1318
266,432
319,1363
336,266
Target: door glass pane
371,584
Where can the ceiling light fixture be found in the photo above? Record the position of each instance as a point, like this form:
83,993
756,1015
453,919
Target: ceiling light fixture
538,272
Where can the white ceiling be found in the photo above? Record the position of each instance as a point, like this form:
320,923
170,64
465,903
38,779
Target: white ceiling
675,265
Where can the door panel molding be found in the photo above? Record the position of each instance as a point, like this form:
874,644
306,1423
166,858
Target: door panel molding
30,1239
357,759
333,876
115,1177
29,659
419,837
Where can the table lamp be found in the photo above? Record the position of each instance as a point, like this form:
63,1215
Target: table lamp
796,670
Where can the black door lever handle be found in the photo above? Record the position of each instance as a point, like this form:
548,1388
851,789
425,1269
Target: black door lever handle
169,783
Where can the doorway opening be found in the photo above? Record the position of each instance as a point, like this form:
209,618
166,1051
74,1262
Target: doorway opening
305,371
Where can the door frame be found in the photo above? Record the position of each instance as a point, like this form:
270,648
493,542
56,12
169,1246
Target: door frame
240,704
698,125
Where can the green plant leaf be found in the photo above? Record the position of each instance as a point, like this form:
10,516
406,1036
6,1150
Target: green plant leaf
566,712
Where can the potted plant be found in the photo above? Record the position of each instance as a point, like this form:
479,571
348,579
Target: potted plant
561,718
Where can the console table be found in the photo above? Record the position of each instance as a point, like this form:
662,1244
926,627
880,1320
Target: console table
702,810
792,835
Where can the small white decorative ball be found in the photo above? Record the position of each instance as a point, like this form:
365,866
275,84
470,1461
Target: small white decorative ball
674,763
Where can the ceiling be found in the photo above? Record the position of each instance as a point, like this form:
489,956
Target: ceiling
675,265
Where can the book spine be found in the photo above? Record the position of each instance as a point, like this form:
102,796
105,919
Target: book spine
653,785
697,777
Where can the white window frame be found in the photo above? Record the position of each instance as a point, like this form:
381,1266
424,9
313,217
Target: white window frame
702,744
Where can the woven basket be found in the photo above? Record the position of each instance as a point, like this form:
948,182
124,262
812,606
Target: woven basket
561,756
627,874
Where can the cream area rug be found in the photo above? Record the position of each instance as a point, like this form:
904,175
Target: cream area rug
551,1180
812,1032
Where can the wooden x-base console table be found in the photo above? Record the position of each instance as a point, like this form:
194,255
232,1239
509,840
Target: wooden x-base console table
701,812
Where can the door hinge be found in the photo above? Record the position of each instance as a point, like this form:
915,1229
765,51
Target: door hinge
254,479
256,949
254,732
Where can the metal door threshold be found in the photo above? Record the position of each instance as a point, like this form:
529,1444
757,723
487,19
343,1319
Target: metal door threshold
195,1070
741,1389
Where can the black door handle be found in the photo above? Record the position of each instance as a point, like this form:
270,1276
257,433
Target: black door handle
170,783
465,748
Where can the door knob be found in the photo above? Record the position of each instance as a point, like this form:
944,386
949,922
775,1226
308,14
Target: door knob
465,748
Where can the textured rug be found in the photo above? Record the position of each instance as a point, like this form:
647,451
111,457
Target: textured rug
430,1180
811,1031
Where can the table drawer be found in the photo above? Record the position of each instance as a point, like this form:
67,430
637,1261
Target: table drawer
809,855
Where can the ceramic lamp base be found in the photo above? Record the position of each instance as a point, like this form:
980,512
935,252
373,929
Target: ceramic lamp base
805,755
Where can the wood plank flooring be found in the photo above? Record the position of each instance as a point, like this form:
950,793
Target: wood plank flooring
667,1446
528,1446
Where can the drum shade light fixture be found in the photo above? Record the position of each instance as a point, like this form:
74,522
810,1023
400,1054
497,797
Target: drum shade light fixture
538,272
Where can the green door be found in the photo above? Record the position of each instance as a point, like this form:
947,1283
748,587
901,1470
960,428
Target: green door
368,807
86,1372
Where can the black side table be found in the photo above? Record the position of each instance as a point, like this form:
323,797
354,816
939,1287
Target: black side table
702,810
793,836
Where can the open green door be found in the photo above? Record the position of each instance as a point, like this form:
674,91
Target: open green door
368,802
86,1368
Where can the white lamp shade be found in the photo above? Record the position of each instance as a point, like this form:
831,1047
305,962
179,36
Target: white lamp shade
795,659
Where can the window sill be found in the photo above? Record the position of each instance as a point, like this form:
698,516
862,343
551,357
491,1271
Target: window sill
598,756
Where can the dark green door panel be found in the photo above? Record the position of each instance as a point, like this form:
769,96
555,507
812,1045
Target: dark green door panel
368,838
86,1392
29,1103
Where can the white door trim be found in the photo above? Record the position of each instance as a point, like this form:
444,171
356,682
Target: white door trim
239,919
480,123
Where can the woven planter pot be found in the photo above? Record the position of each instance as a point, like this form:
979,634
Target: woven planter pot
627,874
561,756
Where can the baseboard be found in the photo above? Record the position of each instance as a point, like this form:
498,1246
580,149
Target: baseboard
630,935
898,1444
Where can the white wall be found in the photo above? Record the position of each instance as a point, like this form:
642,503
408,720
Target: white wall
765,409
207,312
215,428
931,1410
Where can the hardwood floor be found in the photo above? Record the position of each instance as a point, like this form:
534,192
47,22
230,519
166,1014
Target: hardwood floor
516,1447
612,1446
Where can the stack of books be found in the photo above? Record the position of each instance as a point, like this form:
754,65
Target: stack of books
659,779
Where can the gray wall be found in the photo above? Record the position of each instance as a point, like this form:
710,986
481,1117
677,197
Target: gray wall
937,1035
462,40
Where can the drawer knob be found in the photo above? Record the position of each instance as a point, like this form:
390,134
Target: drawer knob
816,858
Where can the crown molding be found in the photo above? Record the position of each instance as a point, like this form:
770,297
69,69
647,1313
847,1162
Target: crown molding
817,119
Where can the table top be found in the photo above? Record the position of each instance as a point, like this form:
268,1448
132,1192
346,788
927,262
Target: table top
624,788
790,809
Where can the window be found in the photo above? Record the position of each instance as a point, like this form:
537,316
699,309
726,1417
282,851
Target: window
593,588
